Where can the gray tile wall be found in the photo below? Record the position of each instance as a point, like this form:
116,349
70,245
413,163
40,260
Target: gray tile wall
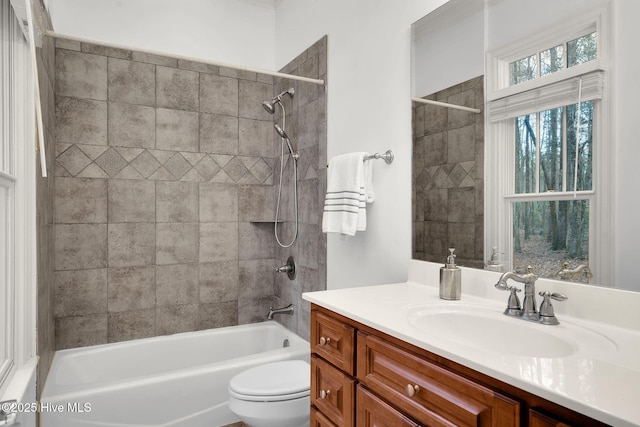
448,171
306,126
163,167
45,188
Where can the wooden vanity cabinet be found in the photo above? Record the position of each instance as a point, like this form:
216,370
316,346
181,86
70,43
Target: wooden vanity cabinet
432,394
365,378
332,370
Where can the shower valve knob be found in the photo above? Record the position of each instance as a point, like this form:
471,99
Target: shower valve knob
289,268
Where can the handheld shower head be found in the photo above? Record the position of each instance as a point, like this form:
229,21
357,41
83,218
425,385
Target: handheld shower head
284,136
280,131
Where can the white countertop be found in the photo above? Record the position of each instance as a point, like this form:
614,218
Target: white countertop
602,382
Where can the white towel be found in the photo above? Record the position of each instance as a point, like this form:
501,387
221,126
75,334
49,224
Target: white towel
349,188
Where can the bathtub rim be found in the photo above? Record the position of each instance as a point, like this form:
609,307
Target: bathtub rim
300,348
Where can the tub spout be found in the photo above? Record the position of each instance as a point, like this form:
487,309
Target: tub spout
284,310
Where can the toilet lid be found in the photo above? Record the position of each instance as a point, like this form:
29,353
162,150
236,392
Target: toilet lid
285,380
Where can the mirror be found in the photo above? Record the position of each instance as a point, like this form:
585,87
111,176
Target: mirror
448,188
448,143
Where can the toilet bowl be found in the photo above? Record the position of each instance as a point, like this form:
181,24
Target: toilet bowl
272,395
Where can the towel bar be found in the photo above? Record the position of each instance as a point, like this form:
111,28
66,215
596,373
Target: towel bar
387,157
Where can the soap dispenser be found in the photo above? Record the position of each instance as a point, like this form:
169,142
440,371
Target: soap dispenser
494,263
450,278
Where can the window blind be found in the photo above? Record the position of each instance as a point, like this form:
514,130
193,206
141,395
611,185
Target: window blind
553,95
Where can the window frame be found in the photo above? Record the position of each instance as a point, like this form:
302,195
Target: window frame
500,148
18,176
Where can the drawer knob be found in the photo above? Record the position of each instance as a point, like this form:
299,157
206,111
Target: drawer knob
325,341
324,394
412,390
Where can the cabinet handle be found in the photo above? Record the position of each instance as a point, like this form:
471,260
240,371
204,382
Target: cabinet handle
412,390
324,341
324,394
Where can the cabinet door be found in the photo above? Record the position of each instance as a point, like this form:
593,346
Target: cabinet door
332,392
536,419
373,412
333,340
319,420
432,394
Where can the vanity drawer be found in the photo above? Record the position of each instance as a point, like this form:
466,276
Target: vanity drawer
373,412
332,392
333,340
319,420
431,394
537,419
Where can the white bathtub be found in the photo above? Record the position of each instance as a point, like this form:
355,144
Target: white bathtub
175,380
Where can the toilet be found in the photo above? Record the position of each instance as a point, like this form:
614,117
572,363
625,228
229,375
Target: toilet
272,395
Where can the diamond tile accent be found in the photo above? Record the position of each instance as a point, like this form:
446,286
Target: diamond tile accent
192,176
177,165
248,178
311,174
162,156
248,161
193,158
146,164
235,169
441,179
222,177
93,151
261,170
111,162
221,159
93,171
207,168
61,147
129,153
136,163
162,175
73,160
129,173
457,175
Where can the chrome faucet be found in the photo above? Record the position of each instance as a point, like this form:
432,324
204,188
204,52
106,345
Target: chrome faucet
284,310
528,310
579,271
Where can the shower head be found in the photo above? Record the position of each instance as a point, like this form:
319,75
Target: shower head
280,131
284,136
270,106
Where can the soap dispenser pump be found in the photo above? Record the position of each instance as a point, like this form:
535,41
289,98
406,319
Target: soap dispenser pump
450,278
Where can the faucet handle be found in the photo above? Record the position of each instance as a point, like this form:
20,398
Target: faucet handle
555,295
513,304
547,314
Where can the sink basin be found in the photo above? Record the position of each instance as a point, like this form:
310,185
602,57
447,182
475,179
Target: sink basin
486,328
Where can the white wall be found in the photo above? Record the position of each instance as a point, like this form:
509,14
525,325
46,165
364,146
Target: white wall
448,47
231,31
369,109
627,139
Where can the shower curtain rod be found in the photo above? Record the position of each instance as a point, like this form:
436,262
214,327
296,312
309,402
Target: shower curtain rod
445,104
186,58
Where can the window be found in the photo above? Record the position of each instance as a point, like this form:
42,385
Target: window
545,162
547,165
548,61
17,198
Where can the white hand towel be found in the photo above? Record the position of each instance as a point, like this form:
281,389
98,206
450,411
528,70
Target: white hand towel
347,193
